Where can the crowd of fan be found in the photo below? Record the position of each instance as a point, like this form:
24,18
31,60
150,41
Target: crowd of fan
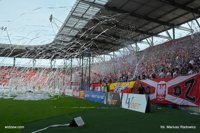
26,76
168,60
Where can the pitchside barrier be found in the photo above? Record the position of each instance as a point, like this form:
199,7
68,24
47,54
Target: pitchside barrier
99,97
181,91
114,99
136,102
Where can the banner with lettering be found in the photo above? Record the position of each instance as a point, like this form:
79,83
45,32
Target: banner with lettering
182,90
94,96
113,99
122,87
136,102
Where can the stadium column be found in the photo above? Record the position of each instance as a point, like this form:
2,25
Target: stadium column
89,69
152,41
174,33
64,72
82,70
51,65
137,50
34,62
14,61
136,45
71,73
92,60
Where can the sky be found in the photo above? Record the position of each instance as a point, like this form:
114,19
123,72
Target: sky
28,23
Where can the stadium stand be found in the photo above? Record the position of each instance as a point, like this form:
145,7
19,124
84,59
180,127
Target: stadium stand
170,59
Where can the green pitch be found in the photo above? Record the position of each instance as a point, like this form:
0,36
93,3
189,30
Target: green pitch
99,118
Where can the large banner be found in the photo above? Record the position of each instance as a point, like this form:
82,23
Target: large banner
98,87
99,97
113,99
122,87
136,102
183,90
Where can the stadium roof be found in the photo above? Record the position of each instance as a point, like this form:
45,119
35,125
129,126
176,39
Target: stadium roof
102,26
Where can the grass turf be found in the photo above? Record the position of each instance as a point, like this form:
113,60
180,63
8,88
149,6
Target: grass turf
17,113
39,114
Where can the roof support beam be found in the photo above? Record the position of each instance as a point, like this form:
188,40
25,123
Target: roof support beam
195,18
167,32
150,41
181,6
185,29
92,4
90,40
80,17
97,33
125,27
144,42
190,25
133,14
95,36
